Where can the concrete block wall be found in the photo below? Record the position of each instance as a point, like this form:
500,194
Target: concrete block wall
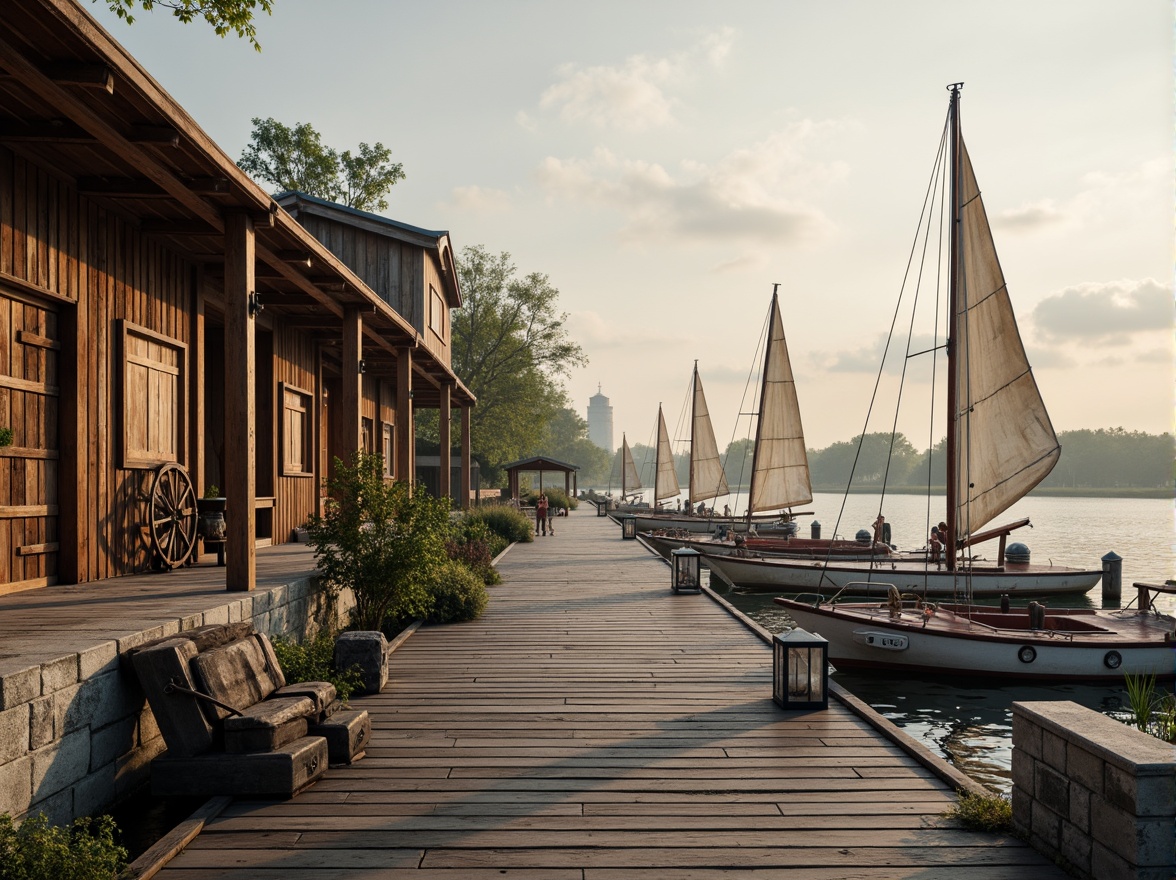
1093,793
76,734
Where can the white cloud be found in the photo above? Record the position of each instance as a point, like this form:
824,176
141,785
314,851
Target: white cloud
1029,217
478,198
635,95
752,196
1110,313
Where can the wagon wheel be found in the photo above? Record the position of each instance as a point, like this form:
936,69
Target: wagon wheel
173,516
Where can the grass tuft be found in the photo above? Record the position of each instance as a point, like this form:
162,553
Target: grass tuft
983,812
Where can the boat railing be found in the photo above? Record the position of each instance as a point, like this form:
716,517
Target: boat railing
1143,596
849,587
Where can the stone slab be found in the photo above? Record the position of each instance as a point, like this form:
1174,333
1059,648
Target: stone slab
280,774
347,734
368,651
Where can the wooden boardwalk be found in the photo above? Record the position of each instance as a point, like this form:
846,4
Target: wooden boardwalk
593,725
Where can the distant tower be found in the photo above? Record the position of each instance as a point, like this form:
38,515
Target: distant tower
600,422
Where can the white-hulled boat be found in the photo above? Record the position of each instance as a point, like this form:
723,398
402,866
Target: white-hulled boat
1078,644
1000,443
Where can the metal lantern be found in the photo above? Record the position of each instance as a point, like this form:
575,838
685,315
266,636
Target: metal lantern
629,527
685,569
602,508
800,670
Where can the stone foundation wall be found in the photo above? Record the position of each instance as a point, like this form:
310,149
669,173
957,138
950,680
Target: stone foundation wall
76,735
1093,793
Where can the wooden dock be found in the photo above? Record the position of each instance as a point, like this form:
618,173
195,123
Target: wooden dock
594,725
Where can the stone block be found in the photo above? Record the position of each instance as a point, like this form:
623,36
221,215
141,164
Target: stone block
148,726
261,601
191,621
112,742
97,660
16,786
59,673
1155,795
94,703
58,808
217,615
1106,865
238,674
95,793
1119,787
19,686
1046,825
368,651
60,765
1053,751
1023,771
320,693
1052,789
1080,807
268,725
1085,768
282,773
14,733
1075,847
1026,735
1022,809
42,722
261,623
347,735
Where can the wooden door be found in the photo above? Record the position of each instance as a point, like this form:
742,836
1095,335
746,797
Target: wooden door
29,397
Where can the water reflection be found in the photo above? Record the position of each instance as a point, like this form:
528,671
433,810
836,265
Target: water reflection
969,723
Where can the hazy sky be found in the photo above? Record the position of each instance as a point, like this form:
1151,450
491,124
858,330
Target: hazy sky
666,162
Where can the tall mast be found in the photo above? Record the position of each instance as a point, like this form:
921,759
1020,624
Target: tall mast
957,231
759,419
693,398
656,453
624,448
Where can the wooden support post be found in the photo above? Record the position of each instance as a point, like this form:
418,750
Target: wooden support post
240,441
467,470
72,525
350,408
446,440
405,457
196,369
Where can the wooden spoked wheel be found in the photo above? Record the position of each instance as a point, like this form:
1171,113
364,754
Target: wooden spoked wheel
173,516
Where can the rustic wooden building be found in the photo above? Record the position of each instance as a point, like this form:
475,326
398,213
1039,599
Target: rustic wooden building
157,306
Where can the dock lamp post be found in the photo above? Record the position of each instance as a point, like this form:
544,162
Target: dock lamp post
629,528
602,508
800,670
685,569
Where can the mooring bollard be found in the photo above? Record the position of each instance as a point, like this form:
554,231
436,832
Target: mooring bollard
1112,578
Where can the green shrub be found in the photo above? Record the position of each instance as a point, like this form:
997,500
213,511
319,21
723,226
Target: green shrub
983,812
506,522
315,661
473,544
557,498
85,850
379,539
458,593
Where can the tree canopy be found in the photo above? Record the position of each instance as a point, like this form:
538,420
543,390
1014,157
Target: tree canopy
224,15
297,159
510,348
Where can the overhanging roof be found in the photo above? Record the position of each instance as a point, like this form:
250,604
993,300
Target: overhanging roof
74,103
540,463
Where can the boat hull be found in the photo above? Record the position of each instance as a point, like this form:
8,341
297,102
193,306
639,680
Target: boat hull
802,549
1115,646
924,579
703,525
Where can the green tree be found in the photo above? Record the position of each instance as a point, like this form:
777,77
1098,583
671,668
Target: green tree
879,459
567,440
223,15
297,159
511,349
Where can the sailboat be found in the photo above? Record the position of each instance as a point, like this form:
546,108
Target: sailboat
779,471
1000,445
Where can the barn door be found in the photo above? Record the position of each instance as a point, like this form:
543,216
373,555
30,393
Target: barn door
29,395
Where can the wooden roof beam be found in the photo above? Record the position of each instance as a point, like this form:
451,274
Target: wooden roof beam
80,73
139,187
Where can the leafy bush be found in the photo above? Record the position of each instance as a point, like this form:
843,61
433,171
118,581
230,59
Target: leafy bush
315,661
473,544
506,522
458,593
5,436
557,498
85,850
378,539
983,812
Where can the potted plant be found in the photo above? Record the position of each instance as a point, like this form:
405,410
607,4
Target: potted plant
210,525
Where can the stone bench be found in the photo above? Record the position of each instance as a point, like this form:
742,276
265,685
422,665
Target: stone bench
231,722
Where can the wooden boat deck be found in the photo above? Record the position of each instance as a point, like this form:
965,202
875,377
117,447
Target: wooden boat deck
593,725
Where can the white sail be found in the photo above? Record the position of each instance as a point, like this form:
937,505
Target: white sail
665,483
707,478
780,477
1005,443
629,478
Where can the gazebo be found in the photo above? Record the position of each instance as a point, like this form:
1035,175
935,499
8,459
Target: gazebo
541,465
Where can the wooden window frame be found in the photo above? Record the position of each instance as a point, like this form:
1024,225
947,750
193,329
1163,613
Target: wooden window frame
438,312
388,448
307,431
131,460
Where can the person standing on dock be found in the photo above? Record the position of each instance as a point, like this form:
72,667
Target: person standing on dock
541,515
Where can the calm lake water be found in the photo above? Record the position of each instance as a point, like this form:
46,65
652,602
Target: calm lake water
970,723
